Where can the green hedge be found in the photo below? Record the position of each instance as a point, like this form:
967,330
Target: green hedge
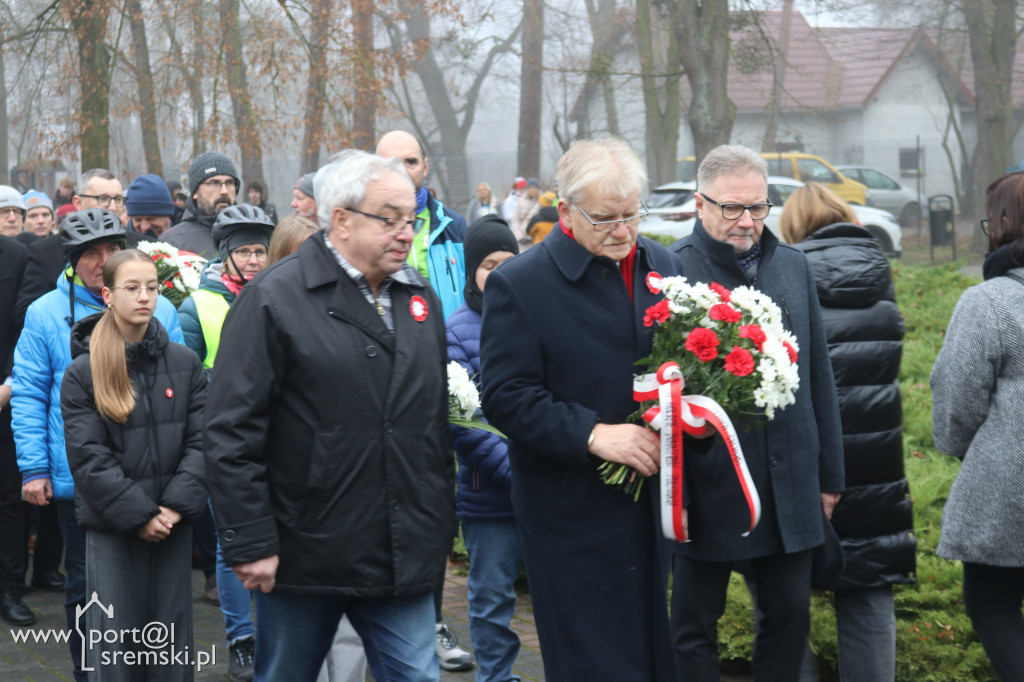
935,641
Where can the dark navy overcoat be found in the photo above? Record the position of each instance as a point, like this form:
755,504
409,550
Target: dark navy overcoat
560,336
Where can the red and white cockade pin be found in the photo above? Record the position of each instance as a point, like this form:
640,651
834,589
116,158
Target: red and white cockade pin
169,393
418,308
654,282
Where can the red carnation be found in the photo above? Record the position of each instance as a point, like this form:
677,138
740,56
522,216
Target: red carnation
725,313
739,362
791,351
722,292
703,343
169,284
754,333
658,312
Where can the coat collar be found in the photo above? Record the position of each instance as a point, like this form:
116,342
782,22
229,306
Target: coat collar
722,255
573,260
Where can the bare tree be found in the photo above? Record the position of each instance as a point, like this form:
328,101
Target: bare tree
531,88
316,84
703,34
144,77
660,82
605,29
451,130
992,30
89,22
246,125
779,79
367,86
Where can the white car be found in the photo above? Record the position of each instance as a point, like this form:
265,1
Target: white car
677,219
885,193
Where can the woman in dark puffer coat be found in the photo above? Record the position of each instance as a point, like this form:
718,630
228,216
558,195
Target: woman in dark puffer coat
874,518
132,403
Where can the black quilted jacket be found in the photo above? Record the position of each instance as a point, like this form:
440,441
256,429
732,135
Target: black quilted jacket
874,518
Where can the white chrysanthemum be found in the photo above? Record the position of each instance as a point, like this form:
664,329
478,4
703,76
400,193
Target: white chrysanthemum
464,399
152,248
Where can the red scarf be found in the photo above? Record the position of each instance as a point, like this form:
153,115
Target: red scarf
626,265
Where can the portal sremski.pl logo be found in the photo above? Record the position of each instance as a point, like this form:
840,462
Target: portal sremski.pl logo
152,644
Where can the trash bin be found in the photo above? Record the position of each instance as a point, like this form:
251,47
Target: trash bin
941,227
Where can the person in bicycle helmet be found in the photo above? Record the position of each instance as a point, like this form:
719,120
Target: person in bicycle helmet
242,235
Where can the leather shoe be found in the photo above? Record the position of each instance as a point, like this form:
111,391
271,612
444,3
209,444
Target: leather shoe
52,581
14,609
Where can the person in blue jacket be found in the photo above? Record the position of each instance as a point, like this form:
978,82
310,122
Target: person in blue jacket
483,499
42,355
437,251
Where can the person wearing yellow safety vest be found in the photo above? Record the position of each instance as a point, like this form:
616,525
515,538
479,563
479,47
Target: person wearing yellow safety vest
242,235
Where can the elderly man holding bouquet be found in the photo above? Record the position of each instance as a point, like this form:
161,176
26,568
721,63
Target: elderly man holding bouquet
795,459
562,329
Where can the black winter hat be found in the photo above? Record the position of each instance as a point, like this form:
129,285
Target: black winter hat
486,235
207,165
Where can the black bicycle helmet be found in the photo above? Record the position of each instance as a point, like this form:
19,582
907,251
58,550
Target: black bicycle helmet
241,217
82,229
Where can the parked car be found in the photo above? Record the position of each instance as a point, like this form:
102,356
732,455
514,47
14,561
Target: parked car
885,193
676,220
799,166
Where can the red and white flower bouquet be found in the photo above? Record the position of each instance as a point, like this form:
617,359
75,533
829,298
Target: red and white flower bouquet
178,271
732,356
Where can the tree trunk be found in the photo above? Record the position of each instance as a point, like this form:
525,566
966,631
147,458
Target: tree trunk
195,82
604,28
147,100
246,126
991,28
89,21
531,89
5,164
364,113
661,92
771,129
316,85
703,34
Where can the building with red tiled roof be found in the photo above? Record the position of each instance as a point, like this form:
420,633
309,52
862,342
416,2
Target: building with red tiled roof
870,96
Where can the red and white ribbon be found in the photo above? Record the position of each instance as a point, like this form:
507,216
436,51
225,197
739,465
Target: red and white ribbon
675,415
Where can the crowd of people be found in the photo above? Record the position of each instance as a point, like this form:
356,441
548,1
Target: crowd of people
289,423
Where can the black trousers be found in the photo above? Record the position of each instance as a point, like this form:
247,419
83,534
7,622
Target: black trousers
13,539
993,596
783,600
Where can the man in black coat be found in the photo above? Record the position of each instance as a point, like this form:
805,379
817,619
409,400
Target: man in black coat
13,540
328,456
795,460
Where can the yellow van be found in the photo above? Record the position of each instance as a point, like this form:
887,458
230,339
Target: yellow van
803,167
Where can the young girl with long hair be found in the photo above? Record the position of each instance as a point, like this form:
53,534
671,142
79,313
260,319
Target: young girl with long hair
132,403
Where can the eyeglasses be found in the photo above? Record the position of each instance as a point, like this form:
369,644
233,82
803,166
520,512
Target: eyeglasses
393,226
105,199
606,225
246,254
219,184
133,290
735,211
985,226
8,210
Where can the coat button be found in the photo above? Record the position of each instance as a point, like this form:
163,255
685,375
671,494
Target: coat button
388,428
395,506
229,536
371,351
605,273
774,462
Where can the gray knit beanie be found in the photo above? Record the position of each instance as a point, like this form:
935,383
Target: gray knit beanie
207,165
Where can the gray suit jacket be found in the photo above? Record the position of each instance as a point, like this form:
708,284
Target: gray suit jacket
793,458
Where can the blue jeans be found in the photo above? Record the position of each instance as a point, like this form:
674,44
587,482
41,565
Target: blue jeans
235,600
74,583
495,558
296,632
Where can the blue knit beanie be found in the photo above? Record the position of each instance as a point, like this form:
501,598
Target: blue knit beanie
35,199
148,195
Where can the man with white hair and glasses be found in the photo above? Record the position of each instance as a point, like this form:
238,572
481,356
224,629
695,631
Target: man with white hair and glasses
562,329
330,469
